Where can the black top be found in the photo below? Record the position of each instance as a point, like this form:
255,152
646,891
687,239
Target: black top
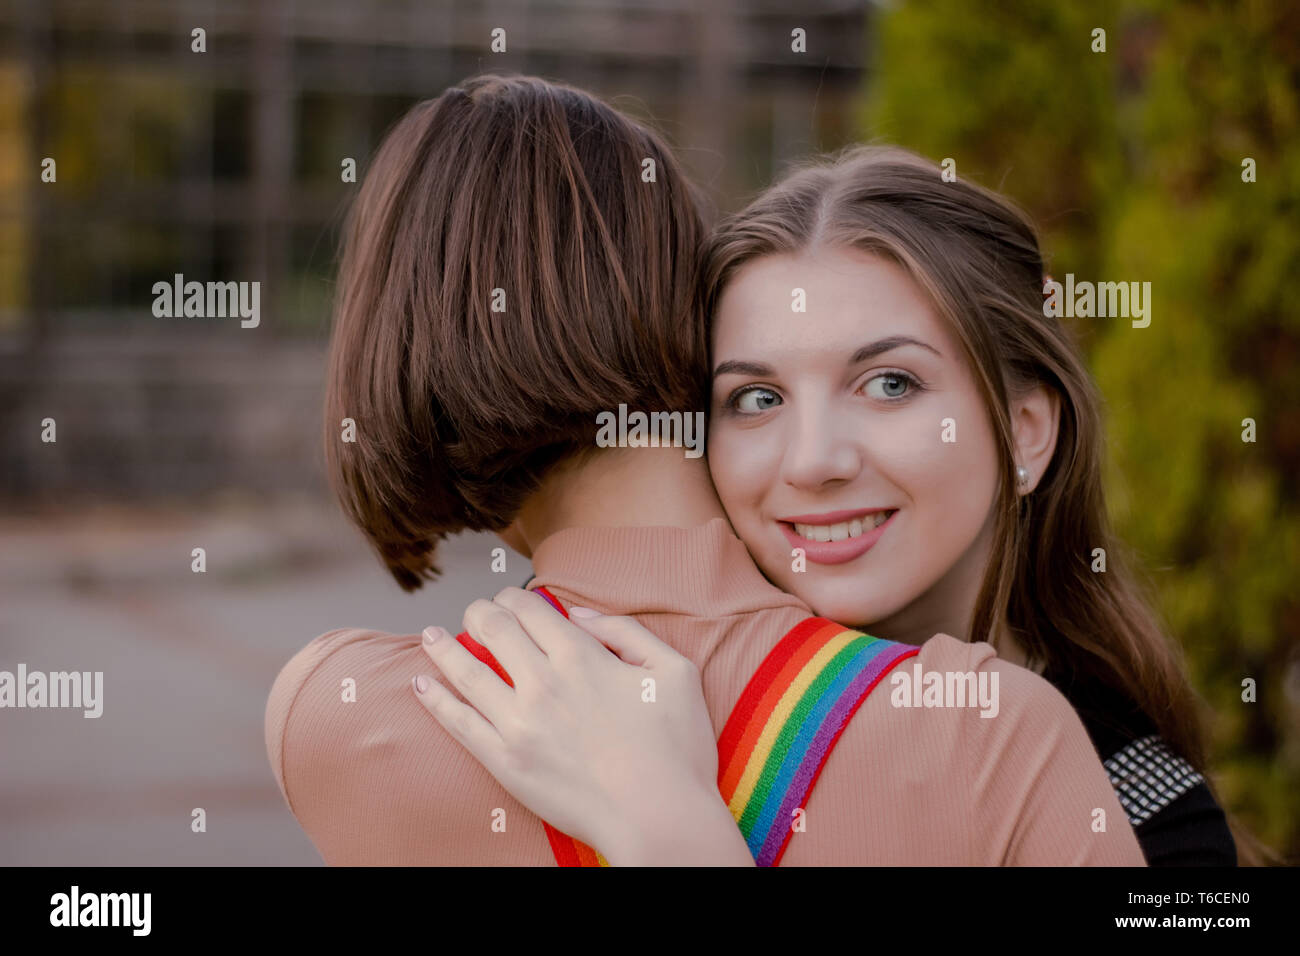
1175,817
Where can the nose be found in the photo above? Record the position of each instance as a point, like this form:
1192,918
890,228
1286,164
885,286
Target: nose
820,451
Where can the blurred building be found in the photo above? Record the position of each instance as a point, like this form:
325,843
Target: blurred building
224,165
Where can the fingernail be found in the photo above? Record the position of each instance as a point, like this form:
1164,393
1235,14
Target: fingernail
421,684
431,634
583,612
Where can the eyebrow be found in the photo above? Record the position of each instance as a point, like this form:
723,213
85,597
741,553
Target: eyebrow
878,347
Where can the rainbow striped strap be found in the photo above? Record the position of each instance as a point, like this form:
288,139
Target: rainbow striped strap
568,851
780,733
787,721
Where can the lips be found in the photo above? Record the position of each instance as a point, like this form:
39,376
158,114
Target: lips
836,537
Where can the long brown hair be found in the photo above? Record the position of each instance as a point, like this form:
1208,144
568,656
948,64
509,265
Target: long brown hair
977,257
534,196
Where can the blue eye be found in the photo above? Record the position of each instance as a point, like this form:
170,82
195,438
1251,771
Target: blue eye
763,399
891,386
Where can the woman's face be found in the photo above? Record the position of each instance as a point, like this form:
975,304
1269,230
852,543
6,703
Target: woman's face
854,431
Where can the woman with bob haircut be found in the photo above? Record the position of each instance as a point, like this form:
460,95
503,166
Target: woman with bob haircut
919,452
510,273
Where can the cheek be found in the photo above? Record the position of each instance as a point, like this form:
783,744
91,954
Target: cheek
946,487
745,464
739,464
951,484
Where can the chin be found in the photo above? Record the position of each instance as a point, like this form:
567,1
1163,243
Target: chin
851,610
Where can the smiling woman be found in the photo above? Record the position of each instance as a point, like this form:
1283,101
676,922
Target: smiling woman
970,415
843,430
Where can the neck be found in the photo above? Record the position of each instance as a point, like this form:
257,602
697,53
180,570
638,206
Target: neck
621,488
915,625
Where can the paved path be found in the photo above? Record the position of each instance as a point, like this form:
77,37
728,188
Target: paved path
188,660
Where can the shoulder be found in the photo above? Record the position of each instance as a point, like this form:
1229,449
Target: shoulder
972,744
336,668
1038,792
967,703
1036,724
1017,695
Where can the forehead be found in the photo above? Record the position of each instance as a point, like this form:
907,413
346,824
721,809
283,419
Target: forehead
850,297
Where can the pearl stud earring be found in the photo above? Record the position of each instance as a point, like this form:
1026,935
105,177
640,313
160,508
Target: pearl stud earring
1022,476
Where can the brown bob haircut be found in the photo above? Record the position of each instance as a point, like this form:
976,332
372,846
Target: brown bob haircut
518,192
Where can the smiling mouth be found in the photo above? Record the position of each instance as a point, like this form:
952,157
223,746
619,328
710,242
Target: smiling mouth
841,530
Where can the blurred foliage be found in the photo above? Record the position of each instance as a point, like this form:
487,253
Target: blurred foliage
13,252
1130,162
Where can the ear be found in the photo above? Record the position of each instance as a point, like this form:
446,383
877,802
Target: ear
1035,417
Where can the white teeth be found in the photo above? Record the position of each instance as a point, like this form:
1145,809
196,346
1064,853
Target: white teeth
843,530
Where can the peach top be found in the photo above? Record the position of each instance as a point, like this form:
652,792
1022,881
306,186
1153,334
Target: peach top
378,781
